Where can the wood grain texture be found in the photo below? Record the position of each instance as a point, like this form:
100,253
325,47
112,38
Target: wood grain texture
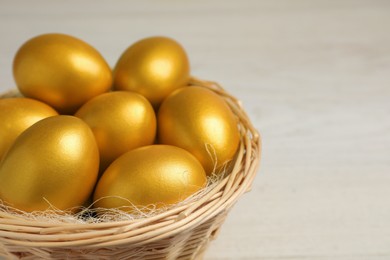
314,77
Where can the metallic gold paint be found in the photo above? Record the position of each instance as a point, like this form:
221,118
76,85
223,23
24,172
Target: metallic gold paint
155,174
54,161
200,121
153,67
61,71
120,121
16,115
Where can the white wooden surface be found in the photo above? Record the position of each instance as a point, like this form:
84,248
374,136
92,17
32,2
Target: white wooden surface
314,77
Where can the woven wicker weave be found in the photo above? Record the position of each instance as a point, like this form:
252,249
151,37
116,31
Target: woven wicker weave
182,232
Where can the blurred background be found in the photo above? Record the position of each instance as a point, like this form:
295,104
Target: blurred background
314,77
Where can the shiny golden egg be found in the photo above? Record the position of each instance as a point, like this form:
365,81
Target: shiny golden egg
200,121
16,115
120,121
150,176
53,163
61,70
153,67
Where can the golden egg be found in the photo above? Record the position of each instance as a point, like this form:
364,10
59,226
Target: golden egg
54,163
61,71
16,115
153,67
200,121
155,175
120,121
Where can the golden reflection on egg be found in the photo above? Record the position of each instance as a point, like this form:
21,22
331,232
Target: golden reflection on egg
52,164
198,120
61,70
151,176
153,67
16,115
120,121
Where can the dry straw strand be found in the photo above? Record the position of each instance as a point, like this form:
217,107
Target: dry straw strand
180,232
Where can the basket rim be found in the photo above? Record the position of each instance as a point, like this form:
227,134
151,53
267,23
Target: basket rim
20,231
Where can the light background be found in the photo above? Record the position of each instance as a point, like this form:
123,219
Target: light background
314,77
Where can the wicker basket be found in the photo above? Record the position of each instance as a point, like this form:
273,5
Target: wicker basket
182,232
